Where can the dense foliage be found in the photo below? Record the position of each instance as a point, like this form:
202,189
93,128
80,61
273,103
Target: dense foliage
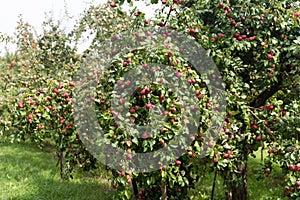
255,45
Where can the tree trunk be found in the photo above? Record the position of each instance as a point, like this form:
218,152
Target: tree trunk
237,190
164,191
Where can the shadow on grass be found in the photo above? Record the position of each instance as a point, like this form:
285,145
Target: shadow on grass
28,173
259,186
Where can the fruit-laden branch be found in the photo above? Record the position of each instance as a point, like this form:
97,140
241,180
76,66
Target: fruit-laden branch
266,94
168,17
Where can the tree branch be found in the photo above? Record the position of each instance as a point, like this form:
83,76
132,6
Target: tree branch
266,94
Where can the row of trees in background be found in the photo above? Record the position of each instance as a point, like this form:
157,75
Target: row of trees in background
255,45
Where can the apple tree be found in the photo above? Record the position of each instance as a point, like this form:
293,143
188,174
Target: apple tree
255,45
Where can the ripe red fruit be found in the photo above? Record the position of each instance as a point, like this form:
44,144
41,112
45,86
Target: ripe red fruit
122,100
72,84
192,31
298,183
226,155
178,162
143,92
55,91
113,5
129,156
270,56
296,15
270,107
128,179
259,138
270,151
132,110
197,92
292,167
163,1
252,38
161,24
254,126
20,105
270,75
147,90
221,35
233,22
240,38
209,104
244,37
236,35
294,85
149,105
221,5
170,54
215,160
173,110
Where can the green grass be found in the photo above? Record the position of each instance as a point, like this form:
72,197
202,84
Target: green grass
28,173
259,186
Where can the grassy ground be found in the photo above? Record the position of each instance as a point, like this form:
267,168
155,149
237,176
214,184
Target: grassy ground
259,186
28,173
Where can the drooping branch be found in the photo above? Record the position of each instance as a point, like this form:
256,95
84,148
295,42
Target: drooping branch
266,94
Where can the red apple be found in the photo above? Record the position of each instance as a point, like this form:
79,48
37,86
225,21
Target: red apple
147,90
173,110
122,100
221,35
113,5
270,56
236,35
259,138
192,31
143,92
132,110
177,162
270,151
149,105
292,167
254,126
252,38
197,92
209,104
128,178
